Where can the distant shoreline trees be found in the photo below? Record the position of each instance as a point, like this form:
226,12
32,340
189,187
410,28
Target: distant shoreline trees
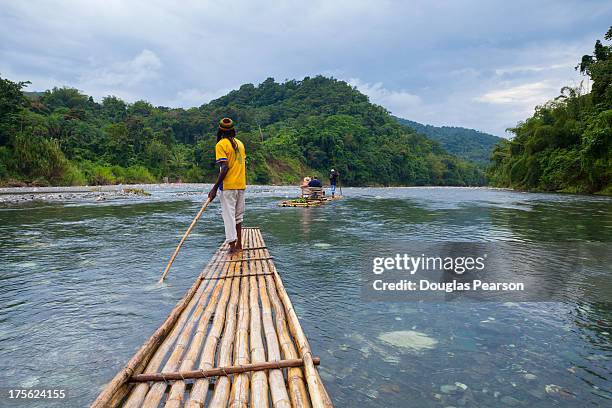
63,137
566,146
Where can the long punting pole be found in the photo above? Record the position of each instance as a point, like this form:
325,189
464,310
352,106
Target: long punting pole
178,248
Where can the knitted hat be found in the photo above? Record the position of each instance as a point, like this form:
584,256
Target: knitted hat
226,124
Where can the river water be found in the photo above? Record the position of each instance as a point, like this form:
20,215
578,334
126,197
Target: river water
78,294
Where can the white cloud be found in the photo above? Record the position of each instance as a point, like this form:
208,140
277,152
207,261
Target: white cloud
401,103
530,94
143,67
188,98
534,68
472,70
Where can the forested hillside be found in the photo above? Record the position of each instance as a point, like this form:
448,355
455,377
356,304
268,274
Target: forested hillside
566,145
468,144
63,137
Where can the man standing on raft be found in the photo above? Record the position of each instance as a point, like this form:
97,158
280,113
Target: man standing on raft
333,179
231,183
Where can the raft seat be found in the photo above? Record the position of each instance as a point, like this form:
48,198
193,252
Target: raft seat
313,193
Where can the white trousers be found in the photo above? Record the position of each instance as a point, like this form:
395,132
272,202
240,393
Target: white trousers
232,209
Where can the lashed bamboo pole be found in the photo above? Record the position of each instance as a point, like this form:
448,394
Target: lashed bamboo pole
156,393
118,387
295,377
197,397
178,248
139,392
259,379
278,390
318,394
177,390
223,371
222,385
239,395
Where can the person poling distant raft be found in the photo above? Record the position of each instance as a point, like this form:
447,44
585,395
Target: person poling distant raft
231,183
333,180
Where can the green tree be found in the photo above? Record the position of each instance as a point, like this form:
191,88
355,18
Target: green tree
12,101
565,145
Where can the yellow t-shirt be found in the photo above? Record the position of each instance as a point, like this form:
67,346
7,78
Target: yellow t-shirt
235,179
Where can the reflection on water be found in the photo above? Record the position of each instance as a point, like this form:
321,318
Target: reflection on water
78,294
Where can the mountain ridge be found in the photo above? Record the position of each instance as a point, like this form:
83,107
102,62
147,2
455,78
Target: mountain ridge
469,144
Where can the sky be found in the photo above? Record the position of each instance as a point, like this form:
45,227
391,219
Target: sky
477,64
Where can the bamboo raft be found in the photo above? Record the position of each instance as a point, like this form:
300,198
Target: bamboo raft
308,202
233,340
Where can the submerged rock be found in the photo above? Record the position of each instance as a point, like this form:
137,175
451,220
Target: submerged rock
461,385
372,394
453,388
409,339
390,388
556,390
449,388
391,359
322,245
26,265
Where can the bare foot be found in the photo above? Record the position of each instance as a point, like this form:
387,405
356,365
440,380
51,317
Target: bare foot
235,250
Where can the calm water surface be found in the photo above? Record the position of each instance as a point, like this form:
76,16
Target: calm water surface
78,294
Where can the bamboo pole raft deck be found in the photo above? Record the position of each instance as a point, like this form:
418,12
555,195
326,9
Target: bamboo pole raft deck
233,340
308,202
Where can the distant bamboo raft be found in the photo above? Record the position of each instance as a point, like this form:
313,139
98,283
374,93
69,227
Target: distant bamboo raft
234,340
308,202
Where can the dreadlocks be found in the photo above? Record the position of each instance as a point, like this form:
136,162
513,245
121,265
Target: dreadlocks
229,135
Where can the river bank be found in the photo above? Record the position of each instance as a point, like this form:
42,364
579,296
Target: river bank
15,195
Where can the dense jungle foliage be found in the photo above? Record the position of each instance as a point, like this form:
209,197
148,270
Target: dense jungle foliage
566,145
468,144
290,129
